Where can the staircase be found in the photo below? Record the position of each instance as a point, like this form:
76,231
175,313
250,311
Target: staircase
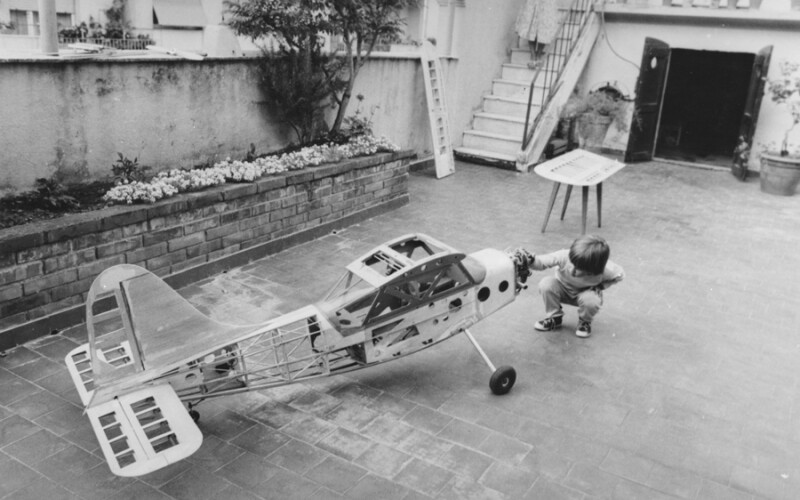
498,130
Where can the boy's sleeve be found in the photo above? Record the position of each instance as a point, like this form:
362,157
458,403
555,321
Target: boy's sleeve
548,260
612,274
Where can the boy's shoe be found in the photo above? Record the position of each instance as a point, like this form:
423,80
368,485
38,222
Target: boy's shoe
548,324
584,329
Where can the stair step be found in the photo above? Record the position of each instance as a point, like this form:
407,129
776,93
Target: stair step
521,72
511,106
498,123
486,156
500,143
510,88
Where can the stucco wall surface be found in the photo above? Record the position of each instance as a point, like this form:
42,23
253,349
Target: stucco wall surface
69,119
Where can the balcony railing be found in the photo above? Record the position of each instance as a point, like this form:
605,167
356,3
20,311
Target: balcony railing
112,43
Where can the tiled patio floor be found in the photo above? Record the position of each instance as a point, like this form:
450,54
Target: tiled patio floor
687,389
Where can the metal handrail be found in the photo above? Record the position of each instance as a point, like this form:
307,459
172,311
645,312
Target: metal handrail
113,43
571,28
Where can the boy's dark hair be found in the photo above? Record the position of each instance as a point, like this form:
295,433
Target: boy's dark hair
589,253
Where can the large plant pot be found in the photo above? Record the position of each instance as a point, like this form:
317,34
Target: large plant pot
593,129
779,174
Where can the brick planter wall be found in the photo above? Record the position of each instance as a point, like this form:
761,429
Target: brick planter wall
46,268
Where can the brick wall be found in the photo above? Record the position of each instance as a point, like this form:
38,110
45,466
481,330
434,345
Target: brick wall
46,268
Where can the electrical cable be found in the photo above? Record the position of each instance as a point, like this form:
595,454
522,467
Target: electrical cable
605,35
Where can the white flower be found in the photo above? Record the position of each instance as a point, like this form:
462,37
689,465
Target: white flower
174,181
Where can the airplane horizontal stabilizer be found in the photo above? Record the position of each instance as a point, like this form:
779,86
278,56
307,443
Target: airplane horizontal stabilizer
143,431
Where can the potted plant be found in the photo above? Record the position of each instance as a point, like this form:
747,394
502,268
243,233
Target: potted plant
780,170
594,113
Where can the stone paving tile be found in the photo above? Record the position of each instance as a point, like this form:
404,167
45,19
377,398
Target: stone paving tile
371,486
43,488
226,424
36,447
464,461
195,484
261,440
504,448
462,488
15,475
687,389
345,444
297,456
308,428
38,368
351,416
551,490
383,460
15,428
426,419
423,477
137,491
215,453
248,471
37,404
465,433
507,479
336,474
287,484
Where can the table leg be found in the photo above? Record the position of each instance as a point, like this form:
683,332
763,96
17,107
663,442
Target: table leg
566,200
599,203
550,204
584,208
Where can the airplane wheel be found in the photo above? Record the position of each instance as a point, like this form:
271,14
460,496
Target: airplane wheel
503,380
195,415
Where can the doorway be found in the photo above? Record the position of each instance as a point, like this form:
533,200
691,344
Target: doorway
704,99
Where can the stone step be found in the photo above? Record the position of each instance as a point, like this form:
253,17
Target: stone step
499,143
519,90
521,73
486,156
498,124
510,106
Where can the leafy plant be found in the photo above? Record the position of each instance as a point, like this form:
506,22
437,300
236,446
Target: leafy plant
298,27
599,103
356,124
53,195
126,170
785,89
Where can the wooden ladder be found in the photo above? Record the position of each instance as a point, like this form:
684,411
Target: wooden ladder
437,111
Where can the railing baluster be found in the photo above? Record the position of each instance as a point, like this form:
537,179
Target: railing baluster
555,60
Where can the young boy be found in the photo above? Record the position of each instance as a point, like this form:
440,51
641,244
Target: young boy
584,271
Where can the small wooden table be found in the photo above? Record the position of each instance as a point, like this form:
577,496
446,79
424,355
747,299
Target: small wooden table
577,168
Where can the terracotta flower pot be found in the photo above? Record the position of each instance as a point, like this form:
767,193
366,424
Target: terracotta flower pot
779,174
593,129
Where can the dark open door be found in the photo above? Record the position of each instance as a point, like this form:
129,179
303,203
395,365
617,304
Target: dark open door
747,127
649,92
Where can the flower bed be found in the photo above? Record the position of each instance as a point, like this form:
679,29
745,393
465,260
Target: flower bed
175,181
46,267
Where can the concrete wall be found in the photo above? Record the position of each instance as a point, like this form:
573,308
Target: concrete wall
168,113
46,268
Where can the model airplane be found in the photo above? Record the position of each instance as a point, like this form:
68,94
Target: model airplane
150,351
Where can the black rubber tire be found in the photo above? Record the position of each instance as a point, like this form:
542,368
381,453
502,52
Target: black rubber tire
502,380
194,414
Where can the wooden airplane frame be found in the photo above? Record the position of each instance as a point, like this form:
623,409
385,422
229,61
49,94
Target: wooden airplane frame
150,351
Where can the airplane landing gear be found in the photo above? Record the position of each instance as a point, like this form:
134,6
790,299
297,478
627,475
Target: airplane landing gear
503,378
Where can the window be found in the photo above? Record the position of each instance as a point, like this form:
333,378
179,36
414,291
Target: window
179,13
